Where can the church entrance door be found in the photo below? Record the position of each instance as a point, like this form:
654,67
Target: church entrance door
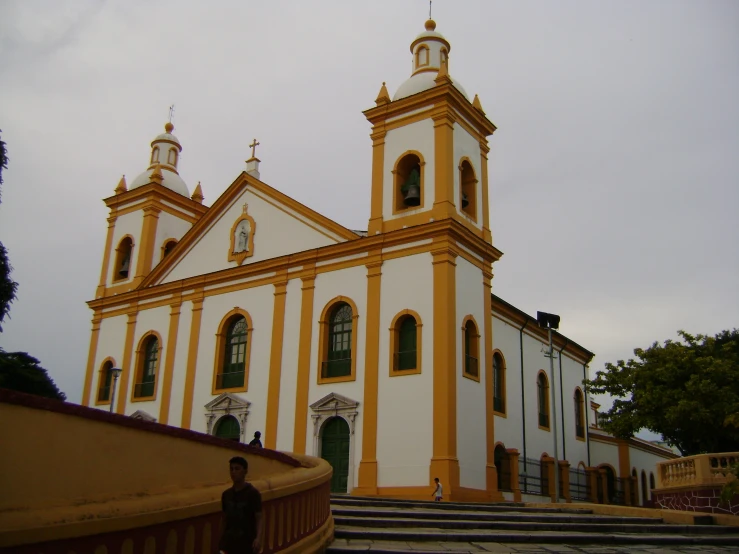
335,450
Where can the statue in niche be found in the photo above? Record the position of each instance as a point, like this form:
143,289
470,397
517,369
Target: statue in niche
241,237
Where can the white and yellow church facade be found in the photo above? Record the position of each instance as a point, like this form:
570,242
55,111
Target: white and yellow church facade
383,351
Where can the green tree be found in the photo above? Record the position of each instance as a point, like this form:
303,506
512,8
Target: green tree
8,287
23,373
686,390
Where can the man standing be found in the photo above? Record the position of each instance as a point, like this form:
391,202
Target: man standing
243,522
256,440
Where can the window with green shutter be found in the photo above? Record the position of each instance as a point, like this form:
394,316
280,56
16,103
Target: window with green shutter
234,360
406,356
339,359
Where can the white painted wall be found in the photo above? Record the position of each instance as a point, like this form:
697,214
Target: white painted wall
110,344
289,376
417,136
509,429
471,431
604,453
259,303
277,234
168,227
406,402
352,283
467,145
176,399
644,461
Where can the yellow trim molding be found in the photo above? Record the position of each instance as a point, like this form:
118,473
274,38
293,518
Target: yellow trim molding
174,326
126,364
91,354
221,350
304,346
192,360
323,346
394,341
275,364
105,362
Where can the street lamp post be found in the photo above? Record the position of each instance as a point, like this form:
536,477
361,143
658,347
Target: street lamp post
551,321
116,372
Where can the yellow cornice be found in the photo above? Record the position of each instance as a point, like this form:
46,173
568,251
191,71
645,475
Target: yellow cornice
158,192
449,229
441,97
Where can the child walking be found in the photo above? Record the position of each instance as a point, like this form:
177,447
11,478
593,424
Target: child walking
437,491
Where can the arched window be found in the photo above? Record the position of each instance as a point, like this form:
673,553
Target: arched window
155,155
651,484
228,428
172,157
422,56
405,344
147,364
167,247
471,344
499,387
105,381
339,360
408,182
644,491
123,259
579,414
468,189
444,55
232,353
338,341
635,487
542,390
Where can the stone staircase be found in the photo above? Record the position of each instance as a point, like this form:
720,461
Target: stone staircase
397,526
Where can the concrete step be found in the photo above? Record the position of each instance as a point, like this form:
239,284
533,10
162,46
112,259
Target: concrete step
430,513
473,507
423,535
526,526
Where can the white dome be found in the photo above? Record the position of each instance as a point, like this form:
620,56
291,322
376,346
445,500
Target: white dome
171,180
420,82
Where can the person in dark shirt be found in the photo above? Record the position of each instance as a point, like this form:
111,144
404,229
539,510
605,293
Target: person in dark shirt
255,441
243,522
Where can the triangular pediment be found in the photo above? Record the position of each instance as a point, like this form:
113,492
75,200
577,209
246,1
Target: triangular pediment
249,223
334,402
142,415
227,402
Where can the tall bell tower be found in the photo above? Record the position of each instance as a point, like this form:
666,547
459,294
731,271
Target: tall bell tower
429,147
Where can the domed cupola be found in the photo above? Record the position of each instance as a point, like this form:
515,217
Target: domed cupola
430,49
165,157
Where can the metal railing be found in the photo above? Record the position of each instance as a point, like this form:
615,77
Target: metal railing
579,485
104,394
471,366
143,390
531,479
230,380
336,368
403,361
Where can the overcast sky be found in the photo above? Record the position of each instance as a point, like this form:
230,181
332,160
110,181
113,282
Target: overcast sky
614,172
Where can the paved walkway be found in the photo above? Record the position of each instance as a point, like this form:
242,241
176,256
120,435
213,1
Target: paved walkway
509,548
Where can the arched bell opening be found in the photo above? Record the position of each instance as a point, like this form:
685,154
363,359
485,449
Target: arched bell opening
408,182
123,256
468,189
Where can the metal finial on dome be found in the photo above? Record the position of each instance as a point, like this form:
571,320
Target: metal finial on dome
169,127
430,25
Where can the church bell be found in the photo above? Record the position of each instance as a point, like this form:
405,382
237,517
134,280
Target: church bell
465,201
123,272
413,196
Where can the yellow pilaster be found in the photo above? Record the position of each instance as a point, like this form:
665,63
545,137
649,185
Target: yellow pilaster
378,164
304,356
486,234
444,462
174,325
122,389
491,472
367,482
92,353
275,364
444,206
192,361
148,236
106,256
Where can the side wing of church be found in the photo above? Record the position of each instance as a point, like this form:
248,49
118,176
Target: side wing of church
383,351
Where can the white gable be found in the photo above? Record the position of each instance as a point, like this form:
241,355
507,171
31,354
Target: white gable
279,229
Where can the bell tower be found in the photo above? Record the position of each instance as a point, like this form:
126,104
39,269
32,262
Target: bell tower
429,147
147,218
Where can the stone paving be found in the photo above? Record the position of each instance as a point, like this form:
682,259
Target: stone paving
513,548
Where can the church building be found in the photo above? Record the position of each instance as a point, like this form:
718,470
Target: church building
257,313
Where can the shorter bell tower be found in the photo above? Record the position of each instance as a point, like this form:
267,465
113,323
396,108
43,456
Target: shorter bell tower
147,218
429,147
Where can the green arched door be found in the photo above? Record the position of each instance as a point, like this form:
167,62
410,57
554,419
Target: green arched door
335,450
228,428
